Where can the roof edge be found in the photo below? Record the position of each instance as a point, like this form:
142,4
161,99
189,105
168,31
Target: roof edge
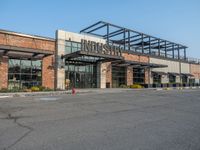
26,35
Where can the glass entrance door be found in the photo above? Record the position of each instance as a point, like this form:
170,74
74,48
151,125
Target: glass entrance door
118,76
81,75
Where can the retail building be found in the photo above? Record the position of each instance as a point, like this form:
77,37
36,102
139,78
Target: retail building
102,55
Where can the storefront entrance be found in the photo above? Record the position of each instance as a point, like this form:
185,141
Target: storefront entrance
81,75
118,76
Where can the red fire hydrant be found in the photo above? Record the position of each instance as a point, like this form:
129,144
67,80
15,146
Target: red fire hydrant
73,91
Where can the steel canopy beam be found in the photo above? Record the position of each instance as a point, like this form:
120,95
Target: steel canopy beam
130,36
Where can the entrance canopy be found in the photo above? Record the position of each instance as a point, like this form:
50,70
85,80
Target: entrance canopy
174,73
159,73
18,52
138,64
90,57
187,74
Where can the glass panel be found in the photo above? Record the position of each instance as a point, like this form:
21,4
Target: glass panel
25,66
184,79
138,75
74,49
74,44
36,64
24,73
172,79
68,43
67,50
156,79
14,66
79,77
118,76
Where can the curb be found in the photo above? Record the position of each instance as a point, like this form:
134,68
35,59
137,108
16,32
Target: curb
56,93
26,94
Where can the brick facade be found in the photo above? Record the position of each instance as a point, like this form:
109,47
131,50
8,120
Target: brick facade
138,58
195,70
48,73
33,42
132,57
26,42
109,73
146,76
3,72
129,75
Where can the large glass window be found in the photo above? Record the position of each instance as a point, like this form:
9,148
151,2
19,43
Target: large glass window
156,78
138,75
118,76
24,73
172,78
184,79
71,47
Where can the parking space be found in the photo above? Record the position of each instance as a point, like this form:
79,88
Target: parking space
114,119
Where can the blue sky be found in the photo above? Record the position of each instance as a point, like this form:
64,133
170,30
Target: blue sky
174,20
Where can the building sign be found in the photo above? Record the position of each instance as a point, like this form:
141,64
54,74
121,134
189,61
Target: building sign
100,48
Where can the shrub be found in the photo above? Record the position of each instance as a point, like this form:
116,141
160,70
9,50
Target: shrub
47,89
4,90
136,86
26,90
123,86
35,89
15,89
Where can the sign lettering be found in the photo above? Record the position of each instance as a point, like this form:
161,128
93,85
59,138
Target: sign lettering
100,48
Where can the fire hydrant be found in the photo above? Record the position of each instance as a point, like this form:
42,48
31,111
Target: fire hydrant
73,91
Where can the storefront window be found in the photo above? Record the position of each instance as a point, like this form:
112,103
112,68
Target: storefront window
138,75
118,76
172,79
184,79
156,78
192,81
24,73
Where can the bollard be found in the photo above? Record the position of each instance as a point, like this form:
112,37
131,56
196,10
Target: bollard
73,91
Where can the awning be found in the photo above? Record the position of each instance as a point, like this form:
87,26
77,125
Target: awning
92,57
187,74
13,51
138,64
174,73
159,73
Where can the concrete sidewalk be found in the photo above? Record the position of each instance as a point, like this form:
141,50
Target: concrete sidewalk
92,90
55,93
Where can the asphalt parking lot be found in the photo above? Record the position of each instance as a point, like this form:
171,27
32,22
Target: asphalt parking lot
104,120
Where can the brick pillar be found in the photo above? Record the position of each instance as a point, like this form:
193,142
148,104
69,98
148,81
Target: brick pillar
48,75
147,76
129,75
3,72
109,73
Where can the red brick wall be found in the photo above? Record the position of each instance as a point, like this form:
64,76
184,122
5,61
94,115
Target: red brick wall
34,43
129,75
195,70
132,57
146,76
48,74
26,42
3,72
109,73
